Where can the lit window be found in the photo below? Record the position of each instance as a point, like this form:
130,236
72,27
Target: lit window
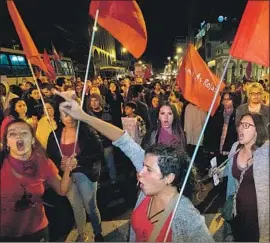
4,59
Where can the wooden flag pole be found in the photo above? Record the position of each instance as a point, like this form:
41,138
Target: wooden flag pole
45,109
197,146
86,75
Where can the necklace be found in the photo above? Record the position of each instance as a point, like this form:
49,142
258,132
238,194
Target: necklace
149,212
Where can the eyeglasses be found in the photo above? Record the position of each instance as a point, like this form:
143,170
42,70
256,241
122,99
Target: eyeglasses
256,94
245,125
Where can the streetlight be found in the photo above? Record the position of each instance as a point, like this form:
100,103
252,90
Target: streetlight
124,50
140,62
179,50
169,58
176,57
95,28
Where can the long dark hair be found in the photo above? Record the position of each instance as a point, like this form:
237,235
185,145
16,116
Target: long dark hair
12,111
5,152
54,106
176,127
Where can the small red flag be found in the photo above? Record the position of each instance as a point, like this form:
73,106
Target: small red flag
251,42
56,56
51,72
28,45
197,82
124,20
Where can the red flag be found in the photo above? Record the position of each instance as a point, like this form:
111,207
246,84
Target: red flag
56,57
28,45
124,20
197,82
251,42
51,72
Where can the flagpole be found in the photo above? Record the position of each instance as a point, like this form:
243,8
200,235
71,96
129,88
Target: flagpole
86,75
45,109
197,146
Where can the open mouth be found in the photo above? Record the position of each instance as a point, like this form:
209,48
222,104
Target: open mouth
240,136
20,145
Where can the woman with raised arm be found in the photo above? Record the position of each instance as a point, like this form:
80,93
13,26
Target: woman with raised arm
24,169
161,171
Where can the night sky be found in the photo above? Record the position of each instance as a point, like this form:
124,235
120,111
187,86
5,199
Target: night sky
65,23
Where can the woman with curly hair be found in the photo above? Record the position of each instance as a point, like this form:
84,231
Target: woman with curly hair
161,171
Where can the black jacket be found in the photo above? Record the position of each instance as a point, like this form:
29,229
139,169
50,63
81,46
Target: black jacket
34,108
213,132
90,157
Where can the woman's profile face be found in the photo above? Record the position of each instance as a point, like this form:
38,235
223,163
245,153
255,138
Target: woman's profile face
150,177
166,117
20,140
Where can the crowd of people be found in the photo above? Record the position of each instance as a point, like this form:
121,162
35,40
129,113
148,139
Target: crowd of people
156,129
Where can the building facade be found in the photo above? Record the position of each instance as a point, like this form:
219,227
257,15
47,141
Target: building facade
103,51
237,69
213,42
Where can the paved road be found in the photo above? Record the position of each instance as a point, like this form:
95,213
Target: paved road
116,214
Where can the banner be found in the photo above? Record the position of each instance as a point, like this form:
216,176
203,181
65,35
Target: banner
251,42
197,82
131,126
28,45
124,20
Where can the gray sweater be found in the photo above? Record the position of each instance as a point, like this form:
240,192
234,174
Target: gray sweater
243,109
188,225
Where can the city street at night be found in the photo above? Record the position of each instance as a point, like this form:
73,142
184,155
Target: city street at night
134,121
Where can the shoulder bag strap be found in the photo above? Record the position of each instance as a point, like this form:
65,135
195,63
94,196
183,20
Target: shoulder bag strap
158,226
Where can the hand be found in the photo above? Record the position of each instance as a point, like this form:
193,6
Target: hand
71,107
35,121
71,163
63,163
213,171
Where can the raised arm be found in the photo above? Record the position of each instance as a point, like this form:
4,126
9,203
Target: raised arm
73,109
120,138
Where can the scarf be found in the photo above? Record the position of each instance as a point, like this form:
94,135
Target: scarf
26,168
167,138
